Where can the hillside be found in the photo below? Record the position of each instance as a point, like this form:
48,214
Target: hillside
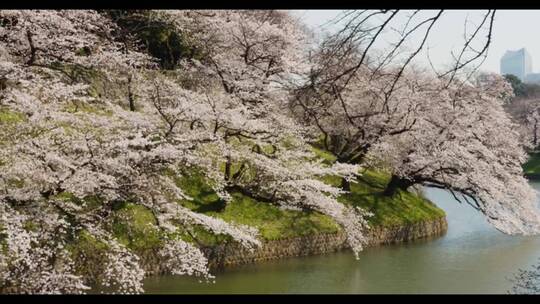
275,223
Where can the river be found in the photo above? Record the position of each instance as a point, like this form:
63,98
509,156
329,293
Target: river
472,257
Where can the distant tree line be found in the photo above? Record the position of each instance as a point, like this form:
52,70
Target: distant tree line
521,89
525,109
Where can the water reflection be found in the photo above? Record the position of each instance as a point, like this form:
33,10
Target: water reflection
472,257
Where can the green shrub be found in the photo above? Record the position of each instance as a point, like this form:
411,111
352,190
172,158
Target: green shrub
160,39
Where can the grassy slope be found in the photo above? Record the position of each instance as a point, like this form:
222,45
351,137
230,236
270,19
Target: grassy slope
272,222
403,208
275,223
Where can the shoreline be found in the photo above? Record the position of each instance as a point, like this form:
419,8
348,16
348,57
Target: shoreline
229,255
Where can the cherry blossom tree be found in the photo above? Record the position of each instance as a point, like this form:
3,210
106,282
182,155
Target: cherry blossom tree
435,131
526,113
466,143
65,149
89,121
352,115
250,59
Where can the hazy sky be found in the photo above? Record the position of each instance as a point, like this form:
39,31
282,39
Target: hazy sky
513,29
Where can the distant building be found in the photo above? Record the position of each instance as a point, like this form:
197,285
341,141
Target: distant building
532,78
517,63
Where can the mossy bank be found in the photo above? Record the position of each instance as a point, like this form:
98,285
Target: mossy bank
285,233
232,254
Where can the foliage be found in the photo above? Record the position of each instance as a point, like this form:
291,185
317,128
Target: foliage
517,85
159,38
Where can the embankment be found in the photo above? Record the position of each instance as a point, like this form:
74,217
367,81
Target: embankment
233,254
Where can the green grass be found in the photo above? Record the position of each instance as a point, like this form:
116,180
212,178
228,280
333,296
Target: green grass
275,223
532,166
89,255
87,108
326,156
402,208
272,222
9,121
8,117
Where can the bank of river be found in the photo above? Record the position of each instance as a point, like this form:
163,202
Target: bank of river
471,257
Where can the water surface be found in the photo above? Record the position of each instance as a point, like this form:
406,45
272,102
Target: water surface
472,257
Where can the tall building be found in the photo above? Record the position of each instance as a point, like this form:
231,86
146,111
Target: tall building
517,63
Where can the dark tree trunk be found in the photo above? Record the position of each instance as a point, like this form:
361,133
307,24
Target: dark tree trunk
131,98
395,184
345,184
32,48
228,168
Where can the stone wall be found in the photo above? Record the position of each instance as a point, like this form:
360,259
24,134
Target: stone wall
234,254
398,234
231,254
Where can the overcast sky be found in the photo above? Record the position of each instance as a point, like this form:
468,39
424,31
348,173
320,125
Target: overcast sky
513,29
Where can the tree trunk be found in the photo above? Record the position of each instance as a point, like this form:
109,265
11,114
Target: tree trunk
131,98
228,168
345,184
32,48
395,184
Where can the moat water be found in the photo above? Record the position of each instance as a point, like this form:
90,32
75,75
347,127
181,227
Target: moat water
472,257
